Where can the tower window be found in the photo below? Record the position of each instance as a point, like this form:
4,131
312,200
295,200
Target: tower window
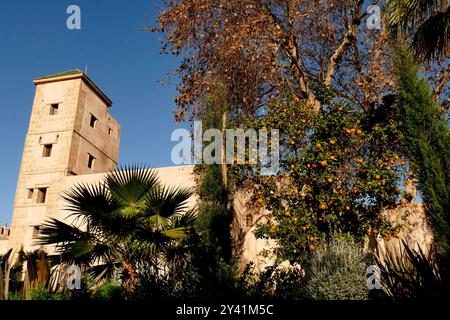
36,232
93,121
110,132
54,109
30,193
249,220
47,152
91,161
42,195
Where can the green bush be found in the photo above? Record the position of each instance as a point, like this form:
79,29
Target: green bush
111,290
43,293
338,272
14,296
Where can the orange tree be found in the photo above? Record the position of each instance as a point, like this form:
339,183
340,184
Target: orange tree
338,170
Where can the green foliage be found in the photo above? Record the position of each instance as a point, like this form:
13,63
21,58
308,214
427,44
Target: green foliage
427,22
214,214
339,169
213,217
111,290
125,219
338,272
427,143
203,275
42,293
14,296
274,283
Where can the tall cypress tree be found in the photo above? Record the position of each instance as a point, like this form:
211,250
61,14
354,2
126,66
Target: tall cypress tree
427,143
215,214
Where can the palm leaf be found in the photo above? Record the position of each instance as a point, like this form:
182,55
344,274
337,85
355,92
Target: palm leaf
404,15
129,185
167,202
431,39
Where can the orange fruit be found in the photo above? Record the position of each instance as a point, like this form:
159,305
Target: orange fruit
378,177
332,141
324,163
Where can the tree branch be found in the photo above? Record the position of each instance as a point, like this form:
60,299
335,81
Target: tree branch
347,41
441,83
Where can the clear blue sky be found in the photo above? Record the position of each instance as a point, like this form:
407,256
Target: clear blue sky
123,61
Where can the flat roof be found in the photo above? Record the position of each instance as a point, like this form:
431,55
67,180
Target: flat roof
70,75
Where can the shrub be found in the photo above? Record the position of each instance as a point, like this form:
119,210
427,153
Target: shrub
337,272
43,293
111,290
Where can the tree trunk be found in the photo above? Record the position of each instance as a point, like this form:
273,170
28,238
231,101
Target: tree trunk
224,169
130,277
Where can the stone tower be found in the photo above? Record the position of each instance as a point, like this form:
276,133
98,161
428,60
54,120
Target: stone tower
70,133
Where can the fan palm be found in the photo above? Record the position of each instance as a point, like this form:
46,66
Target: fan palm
127,218
427,21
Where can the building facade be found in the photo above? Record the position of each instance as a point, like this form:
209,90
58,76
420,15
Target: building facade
72,139
71,133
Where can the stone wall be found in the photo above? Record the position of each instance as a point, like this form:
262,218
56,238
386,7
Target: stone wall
170,176
411,218
73,140
415,230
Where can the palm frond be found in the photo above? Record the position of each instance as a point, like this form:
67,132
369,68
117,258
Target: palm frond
432,38
405,15
129,185
4,258
55,231
74,245
175,233
186,219
167,202
408,273
91,203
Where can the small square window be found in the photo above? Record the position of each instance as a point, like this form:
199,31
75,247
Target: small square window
36,232
93,121
110,132
54,109
249,220
42,195
91,161
30,193
47,152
